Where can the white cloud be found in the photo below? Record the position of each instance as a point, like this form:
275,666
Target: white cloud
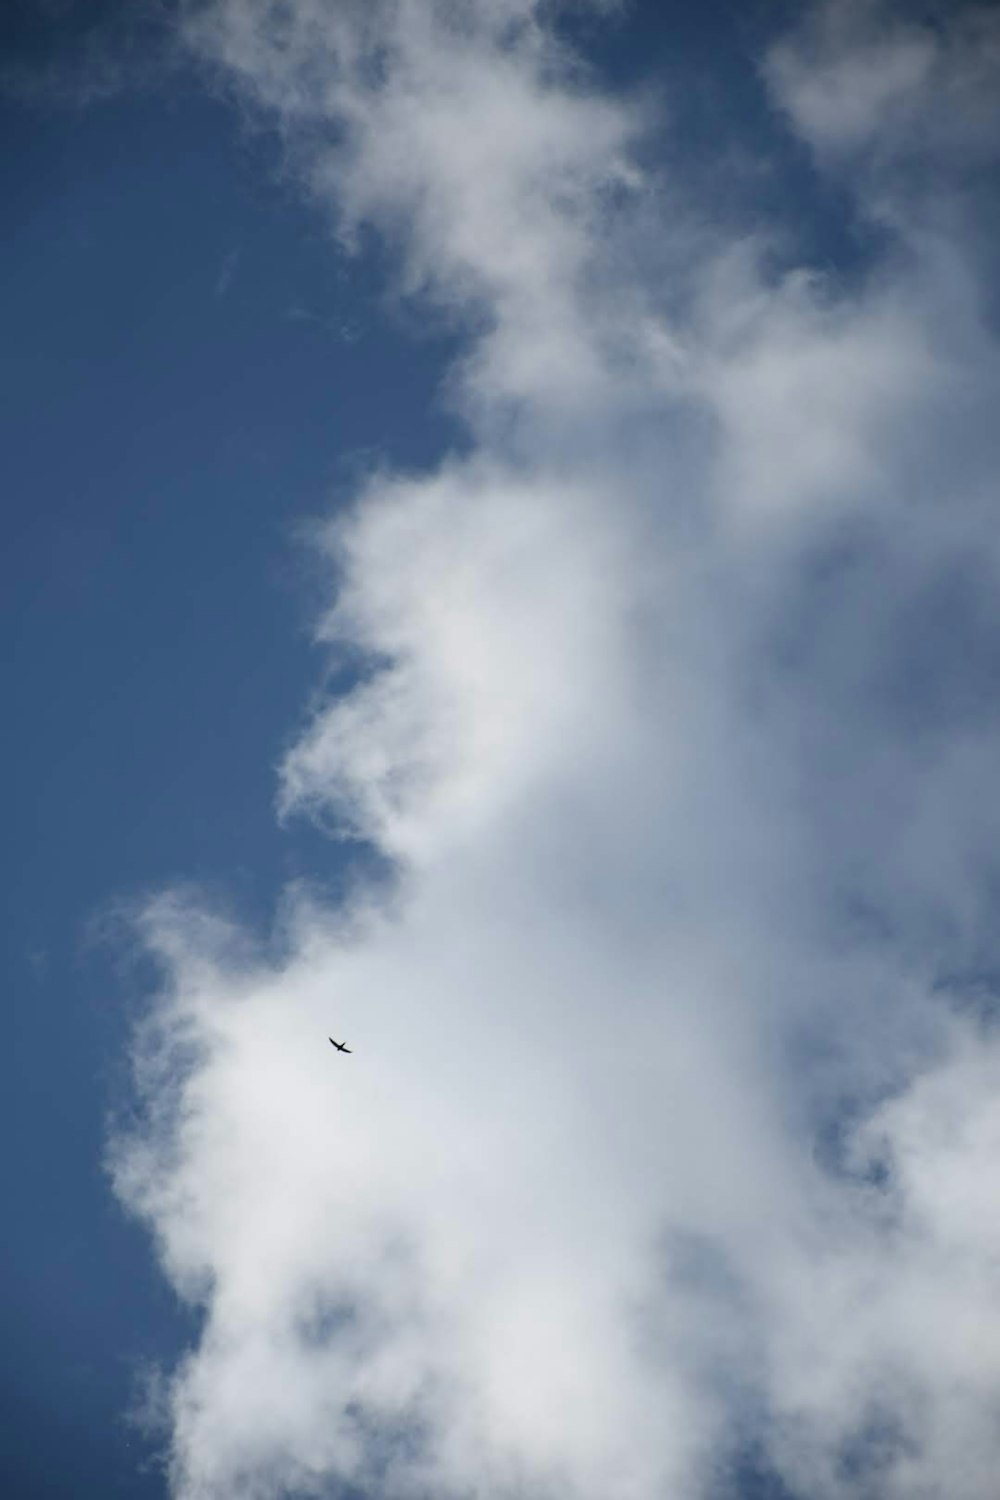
661,1133
906,97
848,74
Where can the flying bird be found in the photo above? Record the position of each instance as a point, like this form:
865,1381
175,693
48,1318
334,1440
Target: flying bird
339,1045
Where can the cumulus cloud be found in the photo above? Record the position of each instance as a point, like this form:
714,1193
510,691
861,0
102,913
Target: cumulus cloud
667,1138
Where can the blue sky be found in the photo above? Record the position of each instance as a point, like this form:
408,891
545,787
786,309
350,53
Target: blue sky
182,399
565,473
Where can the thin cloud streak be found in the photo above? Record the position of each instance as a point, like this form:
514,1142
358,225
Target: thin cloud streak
668,1129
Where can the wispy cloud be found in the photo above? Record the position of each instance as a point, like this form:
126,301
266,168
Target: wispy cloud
669,1127
75,53
227,271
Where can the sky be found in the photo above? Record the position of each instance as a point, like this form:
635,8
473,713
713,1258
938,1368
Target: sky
501,568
